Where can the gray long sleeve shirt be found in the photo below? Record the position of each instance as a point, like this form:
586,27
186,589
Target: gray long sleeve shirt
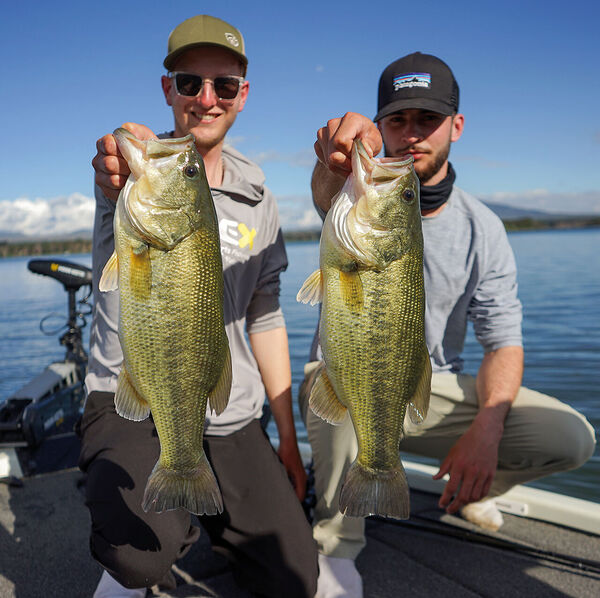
470,275
253,257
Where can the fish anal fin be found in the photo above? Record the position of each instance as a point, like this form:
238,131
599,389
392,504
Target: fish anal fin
351,290
372,492
141,271
109,281
128,402
312,289
196,490
419,405
324,402
219,396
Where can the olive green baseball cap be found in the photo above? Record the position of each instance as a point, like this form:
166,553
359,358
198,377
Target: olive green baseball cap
204,30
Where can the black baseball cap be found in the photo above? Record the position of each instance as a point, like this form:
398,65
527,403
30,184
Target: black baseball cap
417,81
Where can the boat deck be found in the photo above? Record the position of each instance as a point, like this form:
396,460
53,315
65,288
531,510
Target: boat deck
44,552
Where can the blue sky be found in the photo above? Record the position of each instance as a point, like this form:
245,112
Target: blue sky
528,73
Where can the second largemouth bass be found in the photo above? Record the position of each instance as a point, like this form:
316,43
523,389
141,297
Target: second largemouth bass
167,267
372,329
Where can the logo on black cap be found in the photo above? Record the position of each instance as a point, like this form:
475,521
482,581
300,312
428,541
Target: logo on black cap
412,80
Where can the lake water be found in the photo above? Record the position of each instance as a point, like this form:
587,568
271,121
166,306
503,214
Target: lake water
559,285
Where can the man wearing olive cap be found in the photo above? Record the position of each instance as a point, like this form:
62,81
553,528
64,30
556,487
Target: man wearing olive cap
262,531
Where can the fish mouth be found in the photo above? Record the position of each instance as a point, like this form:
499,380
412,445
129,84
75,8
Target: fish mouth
138,152
374,172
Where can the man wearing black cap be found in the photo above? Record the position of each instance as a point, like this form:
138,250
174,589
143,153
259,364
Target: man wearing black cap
474,425
262,530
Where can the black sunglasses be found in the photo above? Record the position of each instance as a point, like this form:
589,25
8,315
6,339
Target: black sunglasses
226,88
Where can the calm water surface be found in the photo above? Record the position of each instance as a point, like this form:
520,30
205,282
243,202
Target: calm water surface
559,285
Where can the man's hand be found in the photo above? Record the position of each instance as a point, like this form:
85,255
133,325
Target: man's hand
334,141
471,463
292,461
111,168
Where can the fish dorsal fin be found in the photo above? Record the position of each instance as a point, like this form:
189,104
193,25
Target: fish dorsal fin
324,402
312,289
419,405
109,281
128,402
219,396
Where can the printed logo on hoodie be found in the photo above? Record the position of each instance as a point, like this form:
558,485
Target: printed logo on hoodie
238,238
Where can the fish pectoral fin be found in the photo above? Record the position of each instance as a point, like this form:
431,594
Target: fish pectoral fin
324,402
128,402
312,289
219,396
419,405
141,271
351,289
110,274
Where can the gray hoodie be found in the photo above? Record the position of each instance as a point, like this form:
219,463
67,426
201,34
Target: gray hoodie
253,257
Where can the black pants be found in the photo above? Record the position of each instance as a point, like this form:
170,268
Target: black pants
262,530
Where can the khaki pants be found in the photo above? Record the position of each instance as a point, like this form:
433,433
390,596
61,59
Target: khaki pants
541,436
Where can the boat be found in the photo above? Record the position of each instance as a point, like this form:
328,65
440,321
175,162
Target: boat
37,421
548,546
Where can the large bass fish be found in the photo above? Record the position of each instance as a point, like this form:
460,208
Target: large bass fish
167,267
372,331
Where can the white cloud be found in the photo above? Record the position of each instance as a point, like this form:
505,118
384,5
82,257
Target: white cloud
304,158
47,217
296,212
234,140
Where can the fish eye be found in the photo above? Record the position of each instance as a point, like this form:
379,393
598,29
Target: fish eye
408,194
190,171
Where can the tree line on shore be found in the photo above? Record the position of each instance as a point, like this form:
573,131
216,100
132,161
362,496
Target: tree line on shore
75,246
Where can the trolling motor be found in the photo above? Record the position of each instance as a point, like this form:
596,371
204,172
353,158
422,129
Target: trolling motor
48,406
73,277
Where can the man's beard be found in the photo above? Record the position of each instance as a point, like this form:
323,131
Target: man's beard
431,169
434,167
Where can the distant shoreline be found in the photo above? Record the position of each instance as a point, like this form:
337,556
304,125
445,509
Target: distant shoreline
21,248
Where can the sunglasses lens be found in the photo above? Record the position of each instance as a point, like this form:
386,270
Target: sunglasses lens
188,85
227,88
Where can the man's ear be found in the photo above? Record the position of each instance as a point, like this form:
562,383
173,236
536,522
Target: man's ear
458,125
167,87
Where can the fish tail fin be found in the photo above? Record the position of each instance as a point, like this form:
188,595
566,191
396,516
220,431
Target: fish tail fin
197,491
368,492
312,289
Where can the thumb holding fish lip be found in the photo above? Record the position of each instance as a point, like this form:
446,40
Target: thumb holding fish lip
140,131
334,141
111,169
